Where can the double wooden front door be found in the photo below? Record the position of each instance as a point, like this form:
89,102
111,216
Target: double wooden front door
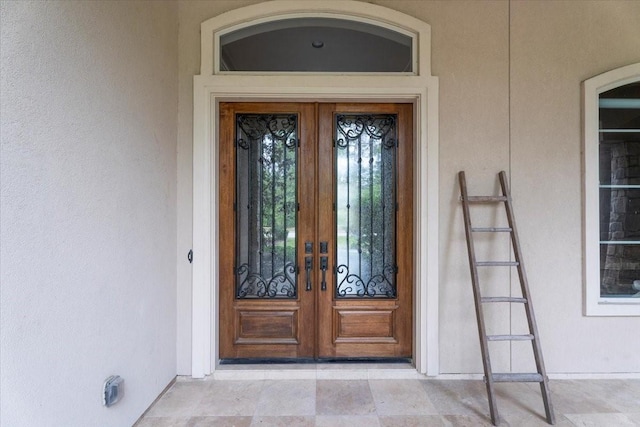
316,230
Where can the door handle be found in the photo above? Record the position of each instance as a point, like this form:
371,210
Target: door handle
324,265
308,266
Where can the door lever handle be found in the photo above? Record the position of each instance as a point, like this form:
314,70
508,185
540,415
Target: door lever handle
324,265
308,266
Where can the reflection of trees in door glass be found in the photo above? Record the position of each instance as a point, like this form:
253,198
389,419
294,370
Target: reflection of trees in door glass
266,205
365,162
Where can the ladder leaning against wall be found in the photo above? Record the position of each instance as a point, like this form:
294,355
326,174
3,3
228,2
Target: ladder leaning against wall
540,376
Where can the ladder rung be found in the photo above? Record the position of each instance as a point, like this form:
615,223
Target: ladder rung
492,229
518,378
497,263
503,299
527,337
486,199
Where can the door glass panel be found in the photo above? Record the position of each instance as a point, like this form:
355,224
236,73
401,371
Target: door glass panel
266,205
365,163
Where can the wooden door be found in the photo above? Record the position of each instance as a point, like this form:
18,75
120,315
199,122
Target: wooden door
316,230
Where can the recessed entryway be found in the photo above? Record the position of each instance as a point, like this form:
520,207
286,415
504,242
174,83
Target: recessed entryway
214,87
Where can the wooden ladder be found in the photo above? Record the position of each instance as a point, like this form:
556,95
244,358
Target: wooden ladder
490,378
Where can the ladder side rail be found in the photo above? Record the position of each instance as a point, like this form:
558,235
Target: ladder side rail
484,344
524,285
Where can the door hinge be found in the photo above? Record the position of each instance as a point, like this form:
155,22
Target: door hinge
190,256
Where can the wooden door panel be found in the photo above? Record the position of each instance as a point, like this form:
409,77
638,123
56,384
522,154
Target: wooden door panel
369,324
271,326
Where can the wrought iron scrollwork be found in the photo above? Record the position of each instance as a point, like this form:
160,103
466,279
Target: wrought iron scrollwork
379,285
258,126
253,285
266,201
352,127
365,159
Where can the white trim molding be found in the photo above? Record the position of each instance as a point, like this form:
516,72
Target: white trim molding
594,304
213,87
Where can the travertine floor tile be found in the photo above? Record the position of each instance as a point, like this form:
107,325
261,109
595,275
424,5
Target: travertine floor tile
574,397
229,398
347,421
287,397
163,422
335,397
412,421
391,403
180,400
220,422
283,421
520,401
467,421
601,420
458,397
401,397
623,396
634,417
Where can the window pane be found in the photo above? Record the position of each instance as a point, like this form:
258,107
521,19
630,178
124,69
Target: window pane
619,270
365,157
619,161
266,205
619,150
316,44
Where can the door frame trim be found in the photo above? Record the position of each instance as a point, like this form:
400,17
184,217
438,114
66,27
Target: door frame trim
209,89
207,97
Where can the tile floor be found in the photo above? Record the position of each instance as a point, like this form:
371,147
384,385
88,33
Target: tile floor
307,396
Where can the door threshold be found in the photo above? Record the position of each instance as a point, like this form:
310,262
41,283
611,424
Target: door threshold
317,370
307,360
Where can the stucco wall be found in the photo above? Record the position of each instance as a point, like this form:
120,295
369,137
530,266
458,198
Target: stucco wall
191,15
510,77
88,174
554,47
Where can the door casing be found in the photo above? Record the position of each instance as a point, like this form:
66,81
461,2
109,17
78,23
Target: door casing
205,301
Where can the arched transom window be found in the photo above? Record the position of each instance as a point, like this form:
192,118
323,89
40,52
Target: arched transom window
314,44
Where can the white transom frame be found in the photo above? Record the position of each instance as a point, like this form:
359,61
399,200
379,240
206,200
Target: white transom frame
213,28
210,89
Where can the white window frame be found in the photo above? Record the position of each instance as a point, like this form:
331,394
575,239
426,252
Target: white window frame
594,304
